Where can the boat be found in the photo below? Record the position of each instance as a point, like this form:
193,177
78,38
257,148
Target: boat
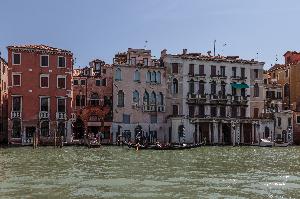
265,143
281,143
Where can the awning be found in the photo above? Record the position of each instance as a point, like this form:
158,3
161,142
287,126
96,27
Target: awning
239,85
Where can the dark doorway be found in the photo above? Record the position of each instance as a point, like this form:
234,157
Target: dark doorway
170,134
78,129
227,133
247,128
29,132
94,130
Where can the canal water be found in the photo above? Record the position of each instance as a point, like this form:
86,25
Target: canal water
116,172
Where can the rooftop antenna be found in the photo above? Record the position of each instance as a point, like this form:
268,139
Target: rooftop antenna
276,59
145,46
257,56
215,47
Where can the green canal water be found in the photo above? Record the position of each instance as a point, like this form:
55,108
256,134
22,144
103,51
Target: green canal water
116,172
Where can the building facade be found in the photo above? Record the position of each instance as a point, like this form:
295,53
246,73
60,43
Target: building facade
39,94
139,91
92,101
3,102
214,99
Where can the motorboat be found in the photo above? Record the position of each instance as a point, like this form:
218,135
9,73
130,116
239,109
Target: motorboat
265,143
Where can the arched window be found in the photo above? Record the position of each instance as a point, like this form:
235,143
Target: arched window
136,97
146,98
118,76
148,77
175,86
137,76
286,90
256,90
16,128
191,86
153,76
158,77
45,129
153,98
160,99
77,100
95,100
120,98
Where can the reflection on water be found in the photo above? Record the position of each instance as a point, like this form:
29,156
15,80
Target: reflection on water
112,172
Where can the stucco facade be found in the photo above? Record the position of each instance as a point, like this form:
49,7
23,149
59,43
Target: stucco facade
139,91
92,101
39,94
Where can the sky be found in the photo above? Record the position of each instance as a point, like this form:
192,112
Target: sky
251,29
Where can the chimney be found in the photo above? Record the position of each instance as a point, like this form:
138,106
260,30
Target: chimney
184,51
163,53
209,53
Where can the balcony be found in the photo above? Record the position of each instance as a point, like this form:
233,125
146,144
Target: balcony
61,116
149,108
234,77
44,115
214,76
161,108
16,114
223,76
196,98
214,97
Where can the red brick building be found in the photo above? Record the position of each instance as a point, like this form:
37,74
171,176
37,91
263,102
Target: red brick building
3,101
39,93
92,101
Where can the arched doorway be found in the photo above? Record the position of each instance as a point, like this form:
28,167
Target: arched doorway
267,132
78,129
227,133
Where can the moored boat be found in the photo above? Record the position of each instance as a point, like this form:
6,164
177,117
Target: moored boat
265,143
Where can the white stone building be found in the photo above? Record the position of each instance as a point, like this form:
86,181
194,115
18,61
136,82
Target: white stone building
214,99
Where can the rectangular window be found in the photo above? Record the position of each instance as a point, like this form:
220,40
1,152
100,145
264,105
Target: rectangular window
243,112
16,58
104,82
61,105
82,82
256,111
213,111
201,70
175,110
223,111
191,111
98,82
44,60
201,111
153,119
61,62
145,60
289,122
279,121
98,67
104,71
213,88
222,71
175,68
44,81
233,111
16,103
133,61
16,79
191,69
255,73
126,119
213,71
44,104
298,119
61,82
75,82
201,88
242,72
233,71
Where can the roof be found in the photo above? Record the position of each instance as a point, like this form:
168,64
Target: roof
218,58
39,47
3,60
292,52
276,67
